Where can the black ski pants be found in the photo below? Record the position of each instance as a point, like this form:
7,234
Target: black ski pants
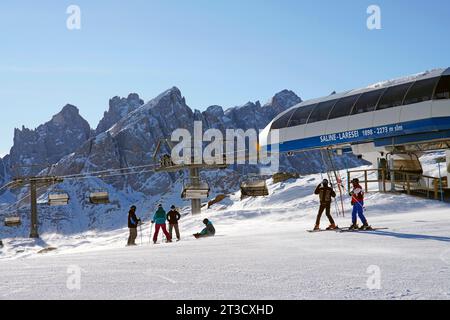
324,206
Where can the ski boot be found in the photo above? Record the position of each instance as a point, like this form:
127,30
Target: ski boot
365,227
333,227
353,227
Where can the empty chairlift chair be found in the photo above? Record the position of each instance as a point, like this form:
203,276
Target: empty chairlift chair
254,188
99,197
195,191
13,221
60,198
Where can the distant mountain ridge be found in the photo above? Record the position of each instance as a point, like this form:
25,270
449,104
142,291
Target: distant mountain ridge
127,136
128,133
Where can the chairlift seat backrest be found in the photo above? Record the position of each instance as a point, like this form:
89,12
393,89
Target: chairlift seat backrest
196,191
58,199
12,221
255,188
101,197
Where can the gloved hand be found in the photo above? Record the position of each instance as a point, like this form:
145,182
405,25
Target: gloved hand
153,222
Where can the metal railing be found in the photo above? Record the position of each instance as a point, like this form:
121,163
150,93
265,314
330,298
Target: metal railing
409,182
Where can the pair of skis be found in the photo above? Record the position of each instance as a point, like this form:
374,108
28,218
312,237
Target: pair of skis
347,230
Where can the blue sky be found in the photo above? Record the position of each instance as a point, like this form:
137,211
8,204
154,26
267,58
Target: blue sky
223,52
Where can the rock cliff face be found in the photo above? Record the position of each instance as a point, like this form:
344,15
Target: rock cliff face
119,108
34,150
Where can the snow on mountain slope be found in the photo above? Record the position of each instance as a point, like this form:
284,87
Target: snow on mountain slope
261,251
290,201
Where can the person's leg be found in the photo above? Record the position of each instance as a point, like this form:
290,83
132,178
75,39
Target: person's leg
171,229
177,231
155,237
319,215
354,213
164,229
133,236
328,213
361,212
129,238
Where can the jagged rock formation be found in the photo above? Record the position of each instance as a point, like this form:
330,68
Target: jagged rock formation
48,143
119,108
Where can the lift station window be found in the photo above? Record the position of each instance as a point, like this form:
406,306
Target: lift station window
393,97
282,122
443,89
421,91
322,111
343,107
367,102
301,115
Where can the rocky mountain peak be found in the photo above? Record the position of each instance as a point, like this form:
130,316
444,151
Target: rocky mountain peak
49,142
118,109
283,100
68,113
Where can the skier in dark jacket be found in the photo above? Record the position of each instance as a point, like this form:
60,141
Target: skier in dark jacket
209,231
357,195
325,193
173,216
159,218
133,223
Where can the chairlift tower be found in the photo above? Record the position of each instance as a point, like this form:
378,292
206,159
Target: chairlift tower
34,183
195,191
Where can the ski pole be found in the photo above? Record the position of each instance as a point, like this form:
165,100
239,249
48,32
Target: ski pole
151,231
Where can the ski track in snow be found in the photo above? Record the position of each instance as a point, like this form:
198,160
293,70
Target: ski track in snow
261,251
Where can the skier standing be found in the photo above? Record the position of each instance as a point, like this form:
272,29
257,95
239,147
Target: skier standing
133,223
357,195
209,231
173,217
326,193
159,218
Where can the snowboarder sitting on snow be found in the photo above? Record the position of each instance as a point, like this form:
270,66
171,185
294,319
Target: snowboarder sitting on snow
133,223
173,217
325,193
209,231
357,195
159,218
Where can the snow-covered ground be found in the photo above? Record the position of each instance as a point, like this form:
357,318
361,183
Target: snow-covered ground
261,251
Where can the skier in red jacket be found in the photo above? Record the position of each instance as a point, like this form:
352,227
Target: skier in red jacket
357,195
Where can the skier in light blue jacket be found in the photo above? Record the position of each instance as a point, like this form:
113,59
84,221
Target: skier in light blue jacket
159,218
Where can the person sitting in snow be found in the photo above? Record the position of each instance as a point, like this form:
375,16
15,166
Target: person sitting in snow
209,231
133,223
159,218
325,193
357,195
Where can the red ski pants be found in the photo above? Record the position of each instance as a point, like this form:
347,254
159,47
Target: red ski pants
164,229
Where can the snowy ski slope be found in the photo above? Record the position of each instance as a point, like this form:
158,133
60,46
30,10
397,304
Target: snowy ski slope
261,251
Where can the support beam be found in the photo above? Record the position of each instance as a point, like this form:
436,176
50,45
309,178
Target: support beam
447,153
392,173
195,181
34,217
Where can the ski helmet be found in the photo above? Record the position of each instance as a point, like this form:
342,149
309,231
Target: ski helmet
172,207
206,221
356,180
325,181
